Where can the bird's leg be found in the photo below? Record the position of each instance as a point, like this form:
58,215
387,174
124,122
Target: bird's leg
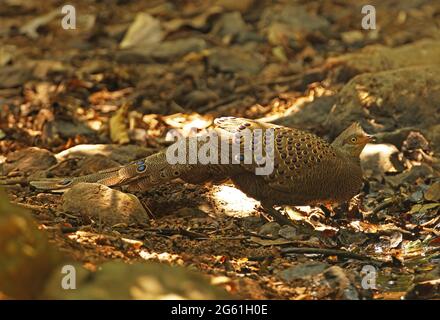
278,216
327,209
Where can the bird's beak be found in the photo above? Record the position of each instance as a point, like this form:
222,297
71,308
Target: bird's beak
366,138
370,138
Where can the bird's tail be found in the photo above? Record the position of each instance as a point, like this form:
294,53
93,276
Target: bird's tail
147,171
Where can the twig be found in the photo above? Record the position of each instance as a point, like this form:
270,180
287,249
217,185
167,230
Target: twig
327,252
56,165
229,238
4,181
262,236
384,205
29,206
183,232
331,252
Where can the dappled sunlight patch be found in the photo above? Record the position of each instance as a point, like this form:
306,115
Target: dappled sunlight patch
188,124
365,96
161,257
233,201
290,103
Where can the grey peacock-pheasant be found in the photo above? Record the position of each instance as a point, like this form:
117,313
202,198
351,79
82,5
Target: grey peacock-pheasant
307,170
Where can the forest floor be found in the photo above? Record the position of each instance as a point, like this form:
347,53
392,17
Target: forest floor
73,102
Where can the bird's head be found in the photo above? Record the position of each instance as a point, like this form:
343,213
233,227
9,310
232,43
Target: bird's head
352,140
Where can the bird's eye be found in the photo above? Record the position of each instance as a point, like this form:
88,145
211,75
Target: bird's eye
353,140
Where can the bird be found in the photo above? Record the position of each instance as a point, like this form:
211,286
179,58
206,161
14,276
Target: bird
306,169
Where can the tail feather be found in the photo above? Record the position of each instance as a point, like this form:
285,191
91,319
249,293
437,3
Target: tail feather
140,174
61,184
144,172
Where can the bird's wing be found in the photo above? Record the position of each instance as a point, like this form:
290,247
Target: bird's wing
296,154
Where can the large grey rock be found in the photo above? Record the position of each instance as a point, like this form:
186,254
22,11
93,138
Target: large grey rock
383,101
29,160
270,229
235,60
297,18
103,204
380,58
139,281
121,154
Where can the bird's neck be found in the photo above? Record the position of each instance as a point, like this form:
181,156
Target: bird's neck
352,158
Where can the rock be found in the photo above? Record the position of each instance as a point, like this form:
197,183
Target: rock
27,258
29,160
103,204
297,18
69,129
176,48
163,51
380,58
121,154
386,100
235,60
376,158
94,164
290,25
394,137
190,212
139,281
310,115
270,229
416,196
251,222
415,142
339,283
302,271
127,153
289,233
145,31
410,176
199,98
230,24
350,238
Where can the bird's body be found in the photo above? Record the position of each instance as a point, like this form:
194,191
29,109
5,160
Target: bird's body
306,169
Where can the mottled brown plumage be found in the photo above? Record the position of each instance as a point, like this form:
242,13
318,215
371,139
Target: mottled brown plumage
307,169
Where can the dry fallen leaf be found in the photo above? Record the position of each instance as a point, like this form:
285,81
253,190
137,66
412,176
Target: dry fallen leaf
118,126
433,193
